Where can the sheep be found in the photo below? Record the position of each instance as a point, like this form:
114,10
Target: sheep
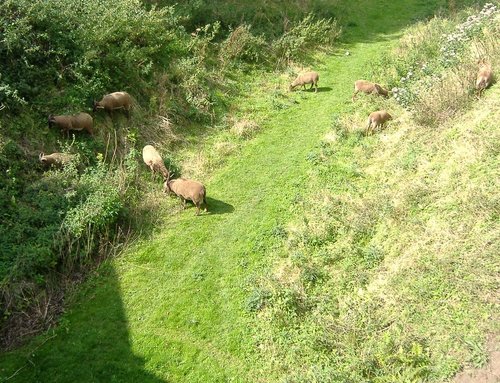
187,190
378,118
80,121
484,77
369,88
56,159
306,78
153,159
114,101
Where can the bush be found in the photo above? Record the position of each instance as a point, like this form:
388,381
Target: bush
242,45
84,48
304,37
58,222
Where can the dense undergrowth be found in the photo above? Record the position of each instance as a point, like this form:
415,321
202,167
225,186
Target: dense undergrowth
56,57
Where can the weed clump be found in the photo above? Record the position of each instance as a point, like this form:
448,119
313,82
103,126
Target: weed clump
436,79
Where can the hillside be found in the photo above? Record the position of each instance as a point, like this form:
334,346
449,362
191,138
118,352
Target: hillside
327,255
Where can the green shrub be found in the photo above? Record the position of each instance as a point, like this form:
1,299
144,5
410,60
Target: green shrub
305,36
84,48
57,222
242,45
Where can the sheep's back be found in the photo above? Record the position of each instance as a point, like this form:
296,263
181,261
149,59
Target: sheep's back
82,120
117,100
188,189
364,85
150,155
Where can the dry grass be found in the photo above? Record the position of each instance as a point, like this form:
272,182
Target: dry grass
162,134
245,128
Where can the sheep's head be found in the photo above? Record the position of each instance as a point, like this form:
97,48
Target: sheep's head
95,106
42,158
51,120
381,90
166,186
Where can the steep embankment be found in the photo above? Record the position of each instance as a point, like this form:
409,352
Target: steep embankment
175,307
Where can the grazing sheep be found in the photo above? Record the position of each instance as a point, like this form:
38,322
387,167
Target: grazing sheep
484,77
80,121
114,101
369,88
153,159
55,159
187,190
376,119
306,78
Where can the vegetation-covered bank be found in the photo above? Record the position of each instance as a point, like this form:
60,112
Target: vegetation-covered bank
57,57
347,258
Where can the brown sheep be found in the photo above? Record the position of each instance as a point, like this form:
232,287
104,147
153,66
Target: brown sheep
484,77
369,88
376,119
56,159
115,101
306,78
80,121
153,159
187,190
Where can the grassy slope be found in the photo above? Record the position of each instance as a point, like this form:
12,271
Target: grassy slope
173,308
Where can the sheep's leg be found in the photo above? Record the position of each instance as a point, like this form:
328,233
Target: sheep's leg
316,86
183,203
205,203
354,95
198,208
478,94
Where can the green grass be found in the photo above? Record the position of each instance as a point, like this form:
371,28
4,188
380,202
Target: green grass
176,307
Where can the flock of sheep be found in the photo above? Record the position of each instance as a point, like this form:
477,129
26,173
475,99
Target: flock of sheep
190,190
378,118
186,189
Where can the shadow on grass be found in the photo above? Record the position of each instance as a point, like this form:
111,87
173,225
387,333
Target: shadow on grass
320,89
215,207
91,343
324,89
